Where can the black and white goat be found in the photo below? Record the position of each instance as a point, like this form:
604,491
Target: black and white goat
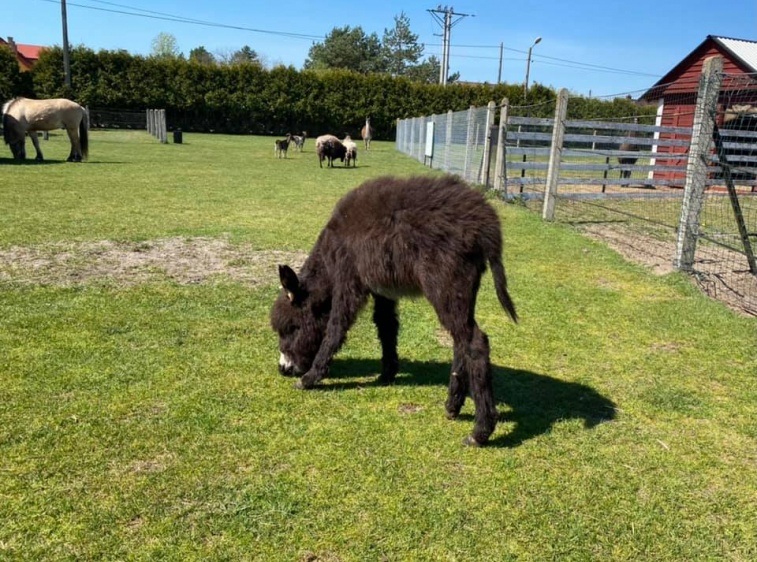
299,140
280,147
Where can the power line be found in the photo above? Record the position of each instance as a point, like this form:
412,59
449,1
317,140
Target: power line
180,19
127,10
446,24
566,63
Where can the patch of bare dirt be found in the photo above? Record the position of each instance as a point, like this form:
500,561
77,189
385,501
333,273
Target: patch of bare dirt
655,254
720,273
183,260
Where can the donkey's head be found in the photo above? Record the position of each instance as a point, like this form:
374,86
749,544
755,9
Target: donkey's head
299,316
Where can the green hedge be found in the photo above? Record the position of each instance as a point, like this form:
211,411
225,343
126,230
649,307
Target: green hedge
249,99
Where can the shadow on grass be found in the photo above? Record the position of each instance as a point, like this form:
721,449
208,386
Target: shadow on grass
28,161
533,402
48,161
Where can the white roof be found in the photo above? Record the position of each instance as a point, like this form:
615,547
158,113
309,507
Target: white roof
743,49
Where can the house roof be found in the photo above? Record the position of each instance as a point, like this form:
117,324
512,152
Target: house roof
31,52
741,52
27,55
742,49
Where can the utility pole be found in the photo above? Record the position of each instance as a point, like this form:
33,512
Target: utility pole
66,60
528,67
447,21
501,52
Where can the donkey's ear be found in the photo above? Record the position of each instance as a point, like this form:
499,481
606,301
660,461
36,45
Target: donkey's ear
289,282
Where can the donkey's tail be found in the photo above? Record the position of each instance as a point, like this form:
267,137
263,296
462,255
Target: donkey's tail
500,285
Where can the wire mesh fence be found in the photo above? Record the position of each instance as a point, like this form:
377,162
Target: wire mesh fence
660,187
454,142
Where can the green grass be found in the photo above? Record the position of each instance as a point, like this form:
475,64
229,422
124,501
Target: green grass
148,421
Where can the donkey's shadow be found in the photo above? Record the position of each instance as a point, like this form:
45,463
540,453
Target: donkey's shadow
533,402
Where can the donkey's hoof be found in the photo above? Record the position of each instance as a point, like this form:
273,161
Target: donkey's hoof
303,385
471,442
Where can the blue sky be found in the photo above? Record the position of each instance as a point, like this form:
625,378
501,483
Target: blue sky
589,47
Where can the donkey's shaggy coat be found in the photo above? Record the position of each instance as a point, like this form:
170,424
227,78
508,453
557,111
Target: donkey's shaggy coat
390,238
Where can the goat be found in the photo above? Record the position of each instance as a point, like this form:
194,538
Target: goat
351,155
386,239
299,140
330,148
367,133
280,147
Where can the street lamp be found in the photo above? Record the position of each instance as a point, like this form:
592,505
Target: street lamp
528,67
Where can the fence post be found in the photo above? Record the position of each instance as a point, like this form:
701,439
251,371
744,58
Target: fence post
696,168
163,133
499,163
491,109
469,141
421,138
411,147
448,139
555,154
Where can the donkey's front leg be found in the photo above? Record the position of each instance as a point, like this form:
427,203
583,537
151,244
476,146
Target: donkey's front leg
387,324
343,313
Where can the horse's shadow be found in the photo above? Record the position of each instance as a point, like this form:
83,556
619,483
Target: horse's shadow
28,161
533,402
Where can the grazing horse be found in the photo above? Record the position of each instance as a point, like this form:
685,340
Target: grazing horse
387,239
22,116
367,133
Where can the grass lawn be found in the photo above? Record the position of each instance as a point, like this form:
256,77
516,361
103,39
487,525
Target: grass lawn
142,416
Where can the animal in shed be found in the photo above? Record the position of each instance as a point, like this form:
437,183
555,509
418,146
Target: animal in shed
628,146
366,133
627,160
391,238
734,152
280,147
351,154
329,148
299,140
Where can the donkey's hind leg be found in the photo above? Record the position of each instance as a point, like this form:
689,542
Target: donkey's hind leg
387,324
458,386
35,141
480,372
471,367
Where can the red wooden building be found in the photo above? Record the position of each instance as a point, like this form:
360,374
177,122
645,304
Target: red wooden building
676,93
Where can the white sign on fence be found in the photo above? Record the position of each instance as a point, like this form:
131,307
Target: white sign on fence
429,153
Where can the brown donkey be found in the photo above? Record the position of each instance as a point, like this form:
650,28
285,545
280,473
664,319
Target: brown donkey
390,238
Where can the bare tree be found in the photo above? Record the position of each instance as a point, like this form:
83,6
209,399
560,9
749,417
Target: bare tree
164,46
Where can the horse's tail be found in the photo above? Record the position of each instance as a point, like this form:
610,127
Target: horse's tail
6,128
84,134
493,253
